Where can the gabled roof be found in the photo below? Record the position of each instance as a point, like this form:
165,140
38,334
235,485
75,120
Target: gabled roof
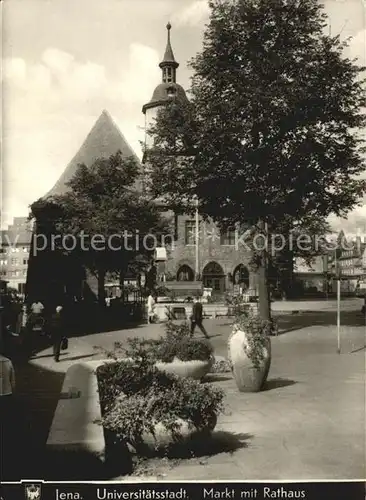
104,140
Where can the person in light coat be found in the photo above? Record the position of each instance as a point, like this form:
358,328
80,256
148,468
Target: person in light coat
7,389
150,308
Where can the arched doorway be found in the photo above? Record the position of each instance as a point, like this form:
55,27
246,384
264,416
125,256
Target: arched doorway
213,277
185,273
241,276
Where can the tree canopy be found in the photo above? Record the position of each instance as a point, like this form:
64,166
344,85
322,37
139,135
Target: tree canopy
113,226
271,131
272,135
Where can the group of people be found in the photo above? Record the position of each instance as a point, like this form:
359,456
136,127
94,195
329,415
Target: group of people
196,318
23,322
53,325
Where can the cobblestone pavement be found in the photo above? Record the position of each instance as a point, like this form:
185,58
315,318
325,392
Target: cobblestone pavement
309,423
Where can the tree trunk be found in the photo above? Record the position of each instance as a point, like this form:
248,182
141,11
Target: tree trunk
264,305
101,287
122,274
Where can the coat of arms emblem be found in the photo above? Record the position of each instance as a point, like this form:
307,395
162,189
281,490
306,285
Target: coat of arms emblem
33,492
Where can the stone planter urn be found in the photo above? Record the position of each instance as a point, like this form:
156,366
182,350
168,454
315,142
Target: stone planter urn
250,369
195,369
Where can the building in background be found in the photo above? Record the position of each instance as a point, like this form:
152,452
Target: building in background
319,275
200,251
351,263
312,276
52,276
14,253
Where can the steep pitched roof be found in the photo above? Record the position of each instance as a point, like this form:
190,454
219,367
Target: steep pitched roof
104,140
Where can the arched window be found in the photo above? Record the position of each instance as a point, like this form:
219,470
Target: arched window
241,275
213,269
213,277
185,273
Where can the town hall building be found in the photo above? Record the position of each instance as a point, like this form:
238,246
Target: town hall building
198,252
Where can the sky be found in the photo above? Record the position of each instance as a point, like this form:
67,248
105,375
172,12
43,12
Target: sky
64,61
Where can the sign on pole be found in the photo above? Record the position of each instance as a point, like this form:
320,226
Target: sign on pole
197,237
338,275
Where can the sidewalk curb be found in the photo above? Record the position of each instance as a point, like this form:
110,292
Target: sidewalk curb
296,311
312,311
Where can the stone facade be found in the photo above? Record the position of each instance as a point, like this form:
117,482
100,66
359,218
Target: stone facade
218,263
14,252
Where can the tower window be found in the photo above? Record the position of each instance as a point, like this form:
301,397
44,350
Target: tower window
171,91
168,75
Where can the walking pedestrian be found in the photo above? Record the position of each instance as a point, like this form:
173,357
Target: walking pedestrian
37,307
197,318
57,331
150,308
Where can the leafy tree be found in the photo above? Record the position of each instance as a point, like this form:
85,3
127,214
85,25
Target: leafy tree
271,136
104,219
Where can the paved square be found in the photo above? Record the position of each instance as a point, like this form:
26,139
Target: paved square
309,422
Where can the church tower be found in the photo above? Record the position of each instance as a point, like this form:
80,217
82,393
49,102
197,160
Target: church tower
167,90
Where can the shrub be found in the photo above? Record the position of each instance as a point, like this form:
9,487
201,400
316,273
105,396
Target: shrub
175,332
221,366
136,396
128,377
236,304
257,331
193,349
177,343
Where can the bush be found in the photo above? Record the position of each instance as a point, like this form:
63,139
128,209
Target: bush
236,304
258,331
128,378
193,349
177,343
175,332
136,396
221,366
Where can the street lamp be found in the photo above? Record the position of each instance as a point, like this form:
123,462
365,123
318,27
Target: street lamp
197,266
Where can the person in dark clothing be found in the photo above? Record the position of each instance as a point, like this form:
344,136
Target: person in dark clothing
197,318
57,331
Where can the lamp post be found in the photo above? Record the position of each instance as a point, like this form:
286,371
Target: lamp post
338,273
197,268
